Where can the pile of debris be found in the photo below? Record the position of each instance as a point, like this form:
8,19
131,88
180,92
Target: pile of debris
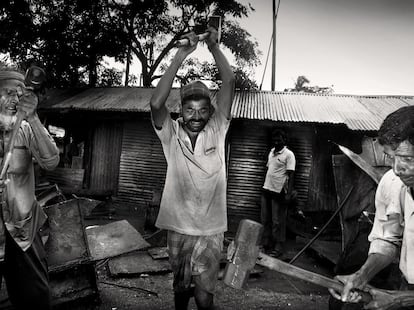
75,251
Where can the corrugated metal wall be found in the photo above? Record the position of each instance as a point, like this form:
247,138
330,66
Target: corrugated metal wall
322,192
301,142
142,166
106,150
250,142
246,168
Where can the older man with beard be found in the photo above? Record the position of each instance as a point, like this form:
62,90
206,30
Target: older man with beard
392,234
23,260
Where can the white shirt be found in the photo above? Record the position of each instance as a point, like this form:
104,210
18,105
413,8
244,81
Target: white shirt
194,197
394,223
277,166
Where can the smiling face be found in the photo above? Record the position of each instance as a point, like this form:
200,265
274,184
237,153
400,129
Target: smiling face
10,92
196,114
402,158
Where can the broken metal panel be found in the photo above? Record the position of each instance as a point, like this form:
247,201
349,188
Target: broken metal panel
373,152
114,239
135,264
67,244
71,271
158,253
375,174
348,175
46,194
329,250
87,205
73,283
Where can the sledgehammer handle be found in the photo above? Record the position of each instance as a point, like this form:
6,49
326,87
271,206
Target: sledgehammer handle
296,272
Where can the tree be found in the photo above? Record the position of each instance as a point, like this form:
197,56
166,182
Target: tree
194,69
67,38
109,77
301,87
70,38
153,26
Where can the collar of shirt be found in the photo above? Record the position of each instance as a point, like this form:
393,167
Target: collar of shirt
280,152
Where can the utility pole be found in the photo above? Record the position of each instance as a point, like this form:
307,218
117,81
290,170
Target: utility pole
274,47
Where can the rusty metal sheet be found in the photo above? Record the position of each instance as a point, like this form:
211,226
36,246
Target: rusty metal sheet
135,264
67,243
356,112
71,273
375,174
114,239
87,205
347,175
330,250
73,283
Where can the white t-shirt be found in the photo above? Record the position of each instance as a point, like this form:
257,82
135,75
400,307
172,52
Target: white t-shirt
194,197
277,165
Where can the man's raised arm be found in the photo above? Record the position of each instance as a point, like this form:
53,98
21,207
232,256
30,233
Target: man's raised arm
158,109
226,93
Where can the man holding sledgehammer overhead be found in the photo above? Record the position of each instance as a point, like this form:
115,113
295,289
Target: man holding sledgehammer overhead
23,259
193,204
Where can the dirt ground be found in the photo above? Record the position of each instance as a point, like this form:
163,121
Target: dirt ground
255,296
265,290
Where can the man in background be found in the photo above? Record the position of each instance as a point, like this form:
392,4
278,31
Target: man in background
276,194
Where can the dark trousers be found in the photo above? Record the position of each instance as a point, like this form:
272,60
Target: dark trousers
273,217
26,275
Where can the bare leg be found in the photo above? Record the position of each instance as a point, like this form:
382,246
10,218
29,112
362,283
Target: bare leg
203,299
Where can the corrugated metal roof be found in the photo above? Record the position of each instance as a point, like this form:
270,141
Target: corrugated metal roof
356,112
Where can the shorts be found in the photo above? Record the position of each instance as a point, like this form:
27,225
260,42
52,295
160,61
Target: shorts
194,259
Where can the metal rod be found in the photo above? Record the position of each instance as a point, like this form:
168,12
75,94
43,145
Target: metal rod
134,288
323,228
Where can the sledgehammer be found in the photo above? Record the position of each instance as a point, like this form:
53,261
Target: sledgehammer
244,253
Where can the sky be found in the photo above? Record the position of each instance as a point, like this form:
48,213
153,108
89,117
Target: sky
362,47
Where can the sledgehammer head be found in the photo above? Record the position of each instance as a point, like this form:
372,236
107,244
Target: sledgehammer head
242,253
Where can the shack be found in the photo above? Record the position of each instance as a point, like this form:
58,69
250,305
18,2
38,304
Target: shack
109,147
